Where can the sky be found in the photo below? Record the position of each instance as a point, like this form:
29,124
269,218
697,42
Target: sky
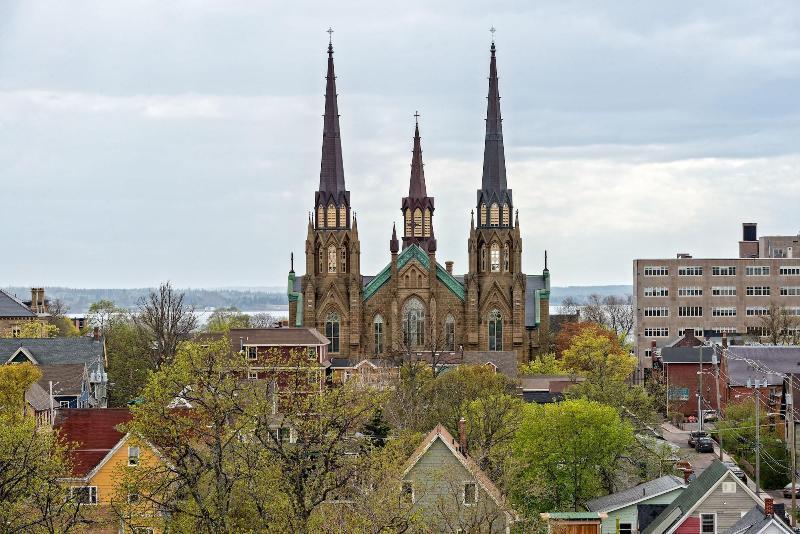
143,140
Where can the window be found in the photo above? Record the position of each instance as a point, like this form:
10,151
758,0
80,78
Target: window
694,270
729,487
343,260
756,270
723,270
757,291
690,291
506,254
698,331
729,311
756,331
789,271
656,271
660,331
332,330
133,455
625,528
414,323
16,331
320,216
450,333
470,493
484,219
332,259
408,222
506,215
656,311
790,291
407,493
427,223
252,353
495,258
84,494
495,330
283,434
723,291
321,261
252,375
792,311
725,329
676,393
708,523
343,216
753,311
494,215
483,258
331,221
690,311
656,292
63,404
417,222
377,331
133,498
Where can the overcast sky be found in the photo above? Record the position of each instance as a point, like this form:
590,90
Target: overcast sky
148,140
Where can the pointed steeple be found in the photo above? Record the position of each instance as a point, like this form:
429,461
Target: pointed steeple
416,188
494,159
394,245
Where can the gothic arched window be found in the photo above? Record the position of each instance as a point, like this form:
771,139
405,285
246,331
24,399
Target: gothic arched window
332,330
495,330
408,222
450,333
331,221
506,215
495,259
414,323
321,254
494,215
343,262
483,257
332,259
343,216
320,216
377,331
417,222
506,257
427,223
484,219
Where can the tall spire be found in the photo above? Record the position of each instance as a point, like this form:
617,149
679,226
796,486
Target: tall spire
494,160
331,175
416,188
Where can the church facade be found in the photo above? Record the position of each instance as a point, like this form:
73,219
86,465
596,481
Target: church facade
415,304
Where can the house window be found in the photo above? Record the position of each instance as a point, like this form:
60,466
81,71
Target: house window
377,329
414,323
495,330
283,434
708,523
690,311
450,333
417,222
16,331
625,528
332,330
470,493
494,215
84,494
656,292
63,404
729,487
723,270
756,270
757,291
658,270
407,493
495,258
723,291
343,262
506,257
133,455
331,222
694,270
656,311
332,259
506,215
690,291
252,375
252,353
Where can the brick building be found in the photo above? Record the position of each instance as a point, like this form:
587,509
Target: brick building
415,304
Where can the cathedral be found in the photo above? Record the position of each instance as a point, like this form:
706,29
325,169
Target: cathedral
415,304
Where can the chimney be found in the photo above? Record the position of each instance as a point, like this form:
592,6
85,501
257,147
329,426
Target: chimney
686,474
448,265
748,246
724,340
96,333
769,506
688,333
462,435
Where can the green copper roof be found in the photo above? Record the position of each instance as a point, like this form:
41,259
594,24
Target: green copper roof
413,252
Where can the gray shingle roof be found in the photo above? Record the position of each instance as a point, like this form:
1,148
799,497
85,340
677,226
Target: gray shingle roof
55,350
10,306
635,494
67,378
754,521
780,359
686,354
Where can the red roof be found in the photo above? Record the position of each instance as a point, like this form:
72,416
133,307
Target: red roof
91,434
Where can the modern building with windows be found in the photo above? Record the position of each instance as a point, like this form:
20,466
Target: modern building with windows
715,296
415,304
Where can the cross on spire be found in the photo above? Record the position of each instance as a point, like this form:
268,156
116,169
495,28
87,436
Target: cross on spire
329,31
492,30
416,117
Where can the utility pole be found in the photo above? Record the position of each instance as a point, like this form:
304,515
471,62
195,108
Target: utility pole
757,397
716,362
700,392
790,422
52,407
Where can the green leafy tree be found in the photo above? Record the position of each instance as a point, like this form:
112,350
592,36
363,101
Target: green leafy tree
223,319
562,450
100,313
129,359
598,358
546,364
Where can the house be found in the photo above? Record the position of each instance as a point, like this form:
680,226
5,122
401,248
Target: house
681,365
573,522
88,352
13,312
626,510
37,404
544,389
713,503
70,384
767,364
761,521
450,490
100,452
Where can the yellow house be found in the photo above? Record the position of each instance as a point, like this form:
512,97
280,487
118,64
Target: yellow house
102,456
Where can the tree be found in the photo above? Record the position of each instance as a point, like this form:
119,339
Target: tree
34,329
14,382
779,326
491,424
562,449
129,359
569,331
223,319
164,320
598,358
612,311
546,364
100,313
263,320
58,310
569,306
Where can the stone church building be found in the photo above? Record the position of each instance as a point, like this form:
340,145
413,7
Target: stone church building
415,304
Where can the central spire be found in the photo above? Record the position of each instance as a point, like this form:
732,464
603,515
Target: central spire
416,187
331,175
417,207
494,159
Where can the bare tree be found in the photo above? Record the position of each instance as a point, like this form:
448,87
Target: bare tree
612,311
569,306
263,320
165,320
779,326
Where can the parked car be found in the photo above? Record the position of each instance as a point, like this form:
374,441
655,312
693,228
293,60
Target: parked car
704,444
787,490
709,415
696,434
736,470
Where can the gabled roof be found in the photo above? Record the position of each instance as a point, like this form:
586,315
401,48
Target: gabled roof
12,307
67,378
55,350
636,494
755,521
686,354
37,397
693,496
277,337
781,359
441,433
413,252
92,433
